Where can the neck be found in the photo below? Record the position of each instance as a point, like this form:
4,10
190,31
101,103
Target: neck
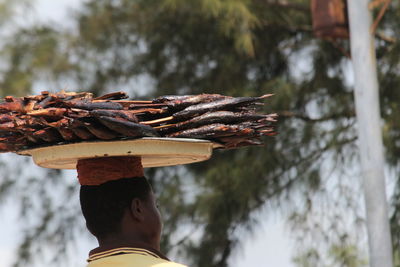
126,239
123,240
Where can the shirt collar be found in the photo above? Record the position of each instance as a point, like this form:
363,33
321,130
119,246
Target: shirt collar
99,252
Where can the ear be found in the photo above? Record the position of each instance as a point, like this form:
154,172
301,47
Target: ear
137,209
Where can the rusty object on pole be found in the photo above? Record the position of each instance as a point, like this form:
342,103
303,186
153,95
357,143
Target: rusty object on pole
329,19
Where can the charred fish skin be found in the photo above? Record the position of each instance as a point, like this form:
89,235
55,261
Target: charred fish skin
49,112
82,133
197,99
45,102
15,106
12,143
213,131
130,116
29,105
100,132
169,98
187,100
31,138
65,96
94,105
30,123
226,103
18,125
128,128
112,96
5,147
148,105
231,142
48,135
77,113
64,122
207,118
79,129
67,134
226,117
6,118
8,127
63,127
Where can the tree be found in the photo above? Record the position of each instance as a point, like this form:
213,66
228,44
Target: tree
236,47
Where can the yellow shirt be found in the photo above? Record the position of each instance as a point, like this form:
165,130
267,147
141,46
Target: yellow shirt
129,257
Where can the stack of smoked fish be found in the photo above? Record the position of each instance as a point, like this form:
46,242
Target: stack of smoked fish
66,117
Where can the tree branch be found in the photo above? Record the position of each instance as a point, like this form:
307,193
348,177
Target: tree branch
291,114
384,37
317,153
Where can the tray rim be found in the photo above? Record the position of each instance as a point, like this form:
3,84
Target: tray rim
172,151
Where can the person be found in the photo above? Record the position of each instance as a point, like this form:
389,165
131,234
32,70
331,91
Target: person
120,210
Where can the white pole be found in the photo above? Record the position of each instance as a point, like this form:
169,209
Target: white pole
369,132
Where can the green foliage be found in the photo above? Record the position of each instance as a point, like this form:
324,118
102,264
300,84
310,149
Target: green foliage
30,56
338,255
8,10
234,47
346,255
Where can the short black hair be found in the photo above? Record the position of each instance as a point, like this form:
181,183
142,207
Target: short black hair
103,205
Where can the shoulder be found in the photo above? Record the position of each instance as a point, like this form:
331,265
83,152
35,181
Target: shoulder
171,264
129,260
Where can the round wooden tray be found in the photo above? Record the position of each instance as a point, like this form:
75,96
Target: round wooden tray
155,152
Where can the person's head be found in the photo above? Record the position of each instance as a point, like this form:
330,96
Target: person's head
122,208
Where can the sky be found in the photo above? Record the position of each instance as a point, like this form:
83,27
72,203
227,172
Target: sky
269,245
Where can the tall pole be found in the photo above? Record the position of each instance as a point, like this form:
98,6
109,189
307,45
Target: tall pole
369,133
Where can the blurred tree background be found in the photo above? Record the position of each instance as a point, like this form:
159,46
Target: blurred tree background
309,172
